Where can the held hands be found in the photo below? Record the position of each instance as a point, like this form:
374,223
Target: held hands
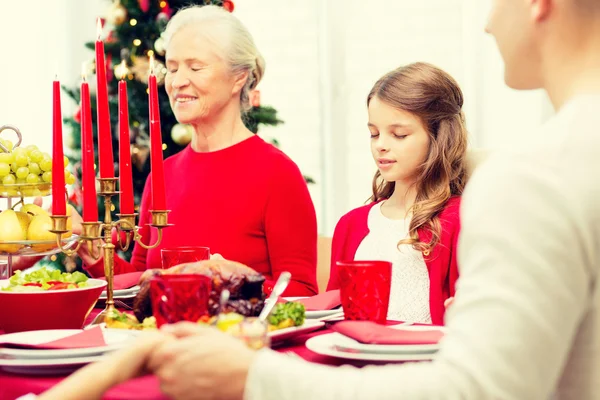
189,360
202,363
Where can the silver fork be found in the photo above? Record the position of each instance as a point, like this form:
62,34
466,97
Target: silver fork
120,304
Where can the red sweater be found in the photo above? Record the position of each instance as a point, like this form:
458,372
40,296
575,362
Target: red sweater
248,202
441,263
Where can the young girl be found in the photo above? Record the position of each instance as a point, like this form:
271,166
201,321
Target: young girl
418,142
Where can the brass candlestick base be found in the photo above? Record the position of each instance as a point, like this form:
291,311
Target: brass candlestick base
98,236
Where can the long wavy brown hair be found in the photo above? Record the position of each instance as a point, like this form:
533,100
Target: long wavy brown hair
434,96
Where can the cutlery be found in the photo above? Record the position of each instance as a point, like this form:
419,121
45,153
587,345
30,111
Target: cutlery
280,286
222,303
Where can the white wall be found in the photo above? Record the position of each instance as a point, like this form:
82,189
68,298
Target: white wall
322,56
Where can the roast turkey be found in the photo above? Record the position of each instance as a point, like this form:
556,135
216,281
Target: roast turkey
245,286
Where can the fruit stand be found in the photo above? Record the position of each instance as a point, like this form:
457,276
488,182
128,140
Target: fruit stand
25,173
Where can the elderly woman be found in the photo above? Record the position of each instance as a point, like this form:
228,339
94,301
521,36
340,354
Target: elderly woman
228,190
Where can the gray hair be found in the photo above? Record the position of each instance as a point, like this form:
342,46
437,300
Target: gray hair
240,52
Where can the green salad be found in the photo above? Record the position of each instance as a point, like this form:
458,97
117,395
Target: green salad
44,279
285,315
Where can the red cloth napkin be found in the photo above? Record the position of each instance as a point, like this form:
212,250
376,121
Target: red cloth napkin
84,339
368,332
126,281
324,301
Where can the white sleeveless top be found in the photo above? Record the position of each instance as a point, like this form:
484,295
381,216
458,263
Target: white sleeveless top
409,296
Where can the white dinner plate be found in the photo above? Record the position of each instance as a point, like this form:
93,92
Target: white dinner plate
326,345
276,336
286,333
47,366
115,339
344,343
123,292
316,313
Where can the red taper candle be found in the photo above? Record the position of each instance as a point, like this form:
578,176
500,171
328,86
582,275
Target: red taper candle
59,206
105,150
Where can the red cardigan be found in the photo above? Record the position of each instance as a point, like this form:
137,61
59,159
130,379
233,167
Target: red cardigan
248,202
441,263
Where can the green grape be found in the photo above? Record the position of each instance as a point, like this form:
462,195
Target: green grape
70,179
21,159
4,169
19,150
66,161
21,181
32,178
34,168
46,164
36,156
9,179
47,176
7,158
22,172
14,167
30,148
7,143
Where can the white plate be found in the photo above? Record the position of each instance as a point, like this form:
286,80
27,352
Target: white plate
123,292
317,313
48,366
114,340
276,336
325,345
347,344
120,297
308,326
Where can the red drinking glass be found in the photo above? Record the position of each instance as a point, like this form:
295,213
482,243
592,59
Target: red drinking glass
181,297
365,289
173,256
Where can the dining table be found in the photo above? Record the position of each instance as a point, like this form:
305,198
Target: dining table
12,386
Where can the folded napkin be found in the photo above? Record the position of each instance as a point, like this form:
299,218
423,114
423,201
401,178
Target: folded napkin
324,301
84,339
126,281
368,332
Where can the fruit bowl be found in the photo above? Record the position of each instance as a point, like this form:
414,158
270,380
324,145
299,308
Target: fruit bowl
52,309
25,189
35,247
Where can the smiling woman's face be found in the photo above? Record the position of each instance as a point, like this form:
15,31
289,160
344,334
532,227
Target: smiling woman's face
399,141
199,82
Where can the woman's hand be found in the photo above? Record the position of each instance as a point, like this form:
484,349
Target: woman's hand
92,381
448,302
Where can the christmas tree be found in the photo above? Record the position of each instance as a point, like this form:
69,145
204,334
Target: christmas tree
132,32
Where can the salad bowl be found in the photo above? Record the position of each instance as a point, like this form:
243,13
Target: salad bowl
60,304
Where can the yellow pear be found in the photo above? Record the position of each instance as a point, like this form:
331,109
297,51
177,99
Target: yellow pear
33,209
39,230
10,231
24,220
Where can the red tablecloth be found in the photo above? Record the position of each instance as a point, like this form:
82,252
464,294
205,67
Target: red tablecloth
147,388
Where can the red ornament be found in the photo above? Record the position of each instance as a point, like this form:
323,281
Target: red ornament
228,5
77,115
166,9
109,71
144,5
